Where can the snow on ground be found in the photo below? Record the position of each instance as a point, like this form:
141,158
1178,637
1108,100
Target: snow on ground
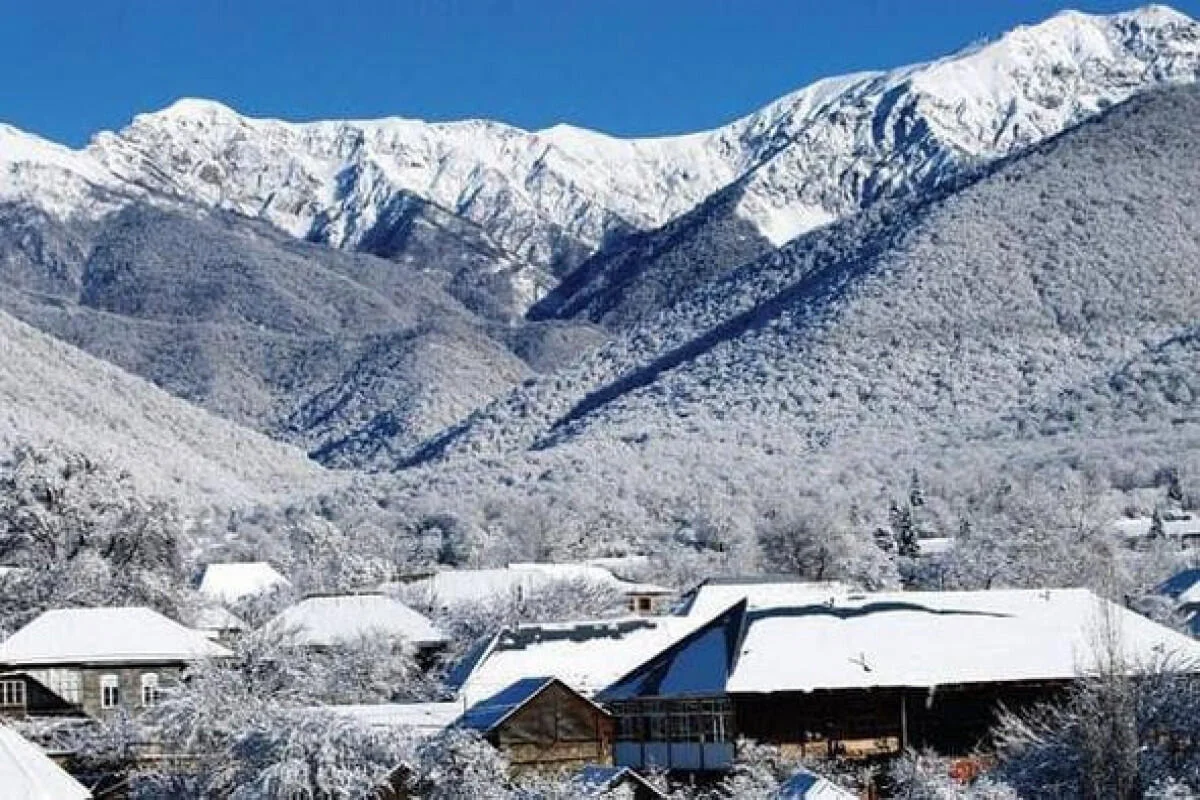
422,719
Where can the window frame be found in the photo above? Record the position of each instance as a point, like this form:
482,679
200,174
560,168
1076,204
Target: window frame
13,693
110,682
149,685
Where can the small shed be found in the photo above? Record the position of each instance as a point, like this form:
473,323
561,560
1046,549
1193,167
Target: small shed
544,725
807,785
26,773
615,783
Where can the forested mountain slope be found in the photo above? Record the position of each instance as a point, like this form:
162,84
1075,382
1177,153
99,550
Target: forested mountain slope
296,340
886,135
511,211
52,393
911,333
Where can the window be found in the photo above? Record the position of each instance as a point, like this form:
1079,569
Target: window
644,604
110,691
12,694
149,688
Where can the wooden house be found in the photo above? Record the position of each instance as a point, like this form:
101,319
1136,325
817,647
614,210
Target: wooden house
329,621
99,660
864,674
541,724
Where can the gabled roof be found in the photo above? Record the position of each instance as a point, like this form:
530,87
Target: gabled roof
26,773
327,620
125,635
597,779
1183,587
900,639
587,656
806,785
453,587
228,583
928,639
489,713
698,665
218,618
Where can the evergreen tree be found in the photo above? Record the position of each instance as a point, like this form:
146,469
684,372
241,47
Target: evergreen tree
904,530
1157,530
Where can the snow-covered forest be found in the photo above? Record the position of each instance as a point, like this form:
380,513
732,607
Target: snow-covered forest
888,333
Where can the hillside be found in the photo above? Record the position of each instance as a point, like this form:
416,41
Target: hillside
51,392
296,340
914,334
510,211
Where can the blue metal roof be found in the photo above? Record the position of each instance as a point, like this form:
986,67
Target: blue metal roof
490,712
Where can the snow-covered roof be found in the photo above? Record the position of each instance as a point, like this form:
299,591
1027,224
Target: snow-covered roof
26,773
935,545
1183,525
715,595
925,639
1183,587
326,620
105,636
489,712
422,719
217,619
228,583
598,779
587,656
453,587
805,785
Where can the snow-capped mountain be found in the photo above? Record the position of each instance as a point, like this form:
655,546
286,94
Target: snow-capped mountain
550,198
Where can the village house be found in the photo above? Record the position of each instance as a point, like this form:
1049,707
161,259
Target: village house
518,581
97,660
541,724
615,783
862,674
228,583
326,621
27,773
1178,527
1183,591
220,624
586,655
804,784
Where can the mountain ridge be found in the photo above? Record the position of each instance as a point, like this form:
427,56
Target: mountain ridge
549,199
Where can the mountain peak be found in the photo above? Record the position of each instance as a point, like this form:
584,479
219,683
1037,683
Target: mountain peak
193,108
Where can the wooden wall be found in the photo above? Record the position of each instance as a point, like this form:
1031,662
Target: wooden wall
556,730
952,720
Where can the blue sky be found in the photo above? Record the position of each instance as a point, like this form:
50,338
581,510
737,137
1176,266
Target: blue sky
72,67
